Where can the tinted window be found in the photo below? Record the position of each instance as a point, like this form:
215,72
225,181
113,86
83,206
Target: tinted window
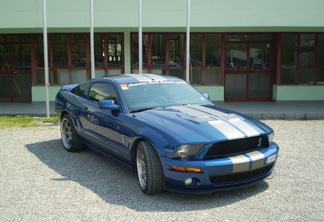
79,90
102,91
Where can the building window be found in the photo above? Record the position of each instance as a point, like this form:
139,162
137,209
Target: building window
69,57
164,54
301,58
60,50
115,49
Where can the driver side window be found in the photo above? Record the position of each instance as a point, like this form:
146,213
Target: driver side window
102,91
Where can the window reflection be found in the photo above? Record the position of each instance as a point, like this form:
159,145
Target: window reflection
70,56
260,56
213,50
4,58
114,51
158,47
320,50
60,53
236,54
196,50
20,54
307,50
78,50
99,53
39,51
289,48
176,43
167,52
135,56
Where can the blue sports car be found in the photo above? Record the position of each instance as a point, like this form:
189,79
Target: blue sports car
168,132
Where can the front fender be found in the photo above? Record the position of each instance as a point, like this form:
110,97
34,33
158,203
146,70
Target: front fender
163,143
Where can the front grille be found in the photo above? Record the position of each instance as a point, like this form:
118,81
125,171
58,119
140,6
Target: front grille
237,177
237,146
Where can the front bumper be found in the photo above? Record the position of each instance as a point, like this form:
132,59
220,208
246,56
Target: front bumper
222,173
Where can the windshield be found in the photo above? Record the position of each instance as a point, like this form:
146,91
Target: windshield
146,95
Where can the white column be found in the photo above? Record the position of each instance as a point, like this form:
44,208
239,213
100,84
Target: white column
140,38
188,43
46,59
92,59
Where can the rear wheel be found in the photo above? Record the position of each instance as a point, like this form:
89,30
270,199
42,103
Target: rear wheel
149,169
70,138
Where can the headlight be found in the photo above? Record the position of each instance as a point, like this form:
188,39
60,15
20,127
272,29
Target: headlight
187,151
270,137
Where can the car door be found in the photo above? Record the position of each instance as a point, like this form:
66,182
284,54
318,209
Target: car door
101,125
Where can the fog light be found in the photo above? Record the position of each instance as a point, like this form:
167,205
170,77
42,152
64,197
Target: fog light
188,181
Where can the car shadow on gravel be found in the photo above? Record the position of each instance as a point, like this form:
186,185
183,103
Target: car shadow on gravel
117,184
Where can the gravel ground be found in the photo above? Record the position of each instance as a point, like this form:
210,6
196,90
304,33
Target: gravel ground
40,181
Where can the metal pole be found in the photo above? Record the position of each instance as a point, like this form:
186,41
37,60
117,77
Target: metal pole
140,38
93,75
46,59
188,43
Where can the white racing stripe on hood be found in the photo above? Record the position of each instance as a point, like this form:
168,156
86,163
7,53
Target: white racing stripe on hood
222,126
232,119
228,130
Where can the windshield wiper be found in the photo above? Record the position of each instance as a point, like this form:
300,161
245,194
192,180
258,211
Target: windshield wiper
141,110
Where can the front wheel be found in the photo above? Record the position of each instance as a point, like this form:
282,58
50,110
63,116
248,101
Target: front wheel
149,169
70,138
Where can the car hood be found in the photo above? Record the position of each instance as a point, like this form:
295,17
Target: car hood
197,123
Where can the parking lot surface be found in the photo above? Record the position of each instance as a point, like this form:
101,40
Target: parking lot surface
40,181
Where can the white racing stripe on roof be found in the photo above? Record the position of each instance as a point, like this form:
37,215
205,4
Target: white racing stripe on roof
222,126
140,78
156,77
147,77
232,119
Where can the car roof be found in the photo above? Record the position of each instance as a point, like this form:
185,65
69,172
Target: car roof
135,78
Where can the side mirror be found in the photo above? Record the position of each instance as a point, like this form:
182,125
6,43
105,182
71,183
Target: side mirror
108,104
206,95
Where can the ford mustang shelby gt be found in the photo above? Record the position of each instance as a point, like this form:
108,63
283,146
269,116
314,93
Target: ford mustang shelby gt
168,132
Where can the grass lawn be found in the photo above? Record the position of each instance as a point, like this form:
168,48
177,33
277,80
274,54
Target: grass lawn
25,121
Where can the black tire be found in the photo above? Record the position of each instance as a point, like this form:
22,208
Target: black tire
149,169
70,138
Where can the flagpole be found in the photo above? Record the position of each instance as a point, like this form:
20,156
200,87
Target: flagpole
93,75
140,38
188,43
46,59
